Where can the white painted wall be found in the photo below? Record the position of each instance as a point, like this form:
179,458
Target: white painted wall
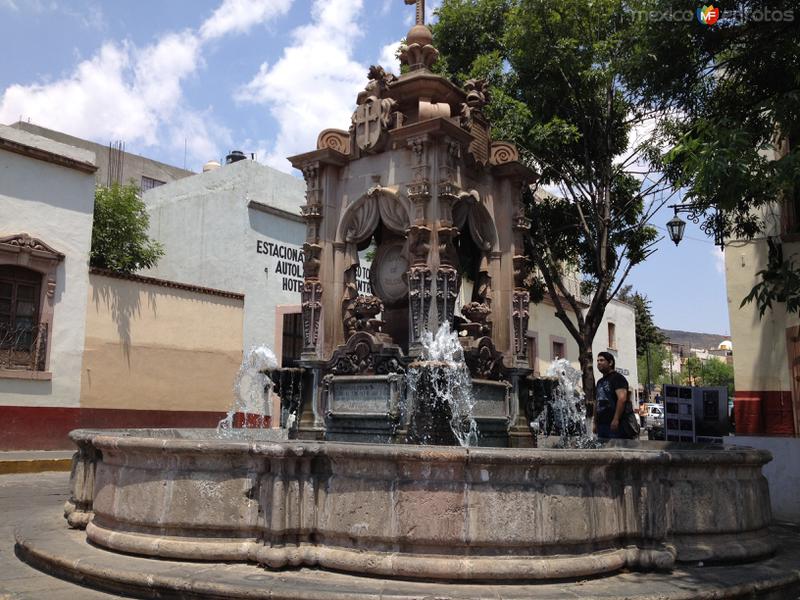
55,204
211,238
782,473
623,316
545,325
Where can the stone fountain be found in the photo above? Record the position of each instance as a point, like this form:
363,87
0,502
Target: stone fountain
355,482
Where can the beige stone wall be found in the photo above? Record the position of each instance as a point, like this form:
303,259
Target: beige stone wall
151,347
760,360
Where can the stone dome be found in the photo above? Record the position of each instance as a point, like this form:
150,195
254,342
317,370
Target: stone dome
419,34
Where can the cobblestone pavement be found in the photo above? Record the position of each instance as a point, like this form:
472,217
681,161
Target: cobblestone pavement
21,496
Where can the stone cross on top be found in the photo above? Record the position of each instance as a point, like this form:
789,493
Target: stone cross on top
420,10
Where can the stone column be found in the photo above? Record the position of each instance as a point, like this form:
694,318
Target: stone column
311,296
522,299
420,274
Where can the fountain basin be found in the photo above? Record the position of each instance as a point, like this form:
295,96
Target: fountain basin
421,512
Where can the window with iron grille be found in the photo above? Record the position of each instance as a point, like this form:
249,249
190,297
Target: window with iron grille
148,183
22,337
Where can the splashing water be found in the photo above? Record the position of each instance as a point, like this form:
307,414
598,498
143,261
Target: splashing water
565,415
451,383
251,388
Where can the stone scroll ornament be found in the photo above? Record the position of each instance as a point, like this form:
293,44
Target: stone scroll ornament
311,298
419,300
521,301
447,285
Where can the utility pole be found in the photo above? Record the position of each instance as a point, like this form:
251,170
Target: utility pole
671,375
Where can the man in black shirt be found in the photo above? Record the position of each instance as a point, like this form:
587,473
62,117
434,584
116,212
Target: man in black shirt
611,394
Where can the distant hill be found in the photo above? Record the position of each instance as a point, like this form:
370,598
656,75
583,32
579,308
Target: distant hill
693,339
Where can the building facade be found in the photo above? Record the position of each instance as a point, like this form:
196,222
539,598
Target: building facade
237,228
766,358
114,165
46,207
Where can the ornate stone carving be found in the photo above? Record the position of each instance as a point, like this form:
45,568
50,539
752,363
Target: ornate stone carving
484,361
311,298
479,315
521,269
482,291
447,285
312,254
23,242
363,354
419,300
477,97
419,244
312,211
418,51
520,306
419,163
335,139
448,256
373,116
360,313
450,157
503,152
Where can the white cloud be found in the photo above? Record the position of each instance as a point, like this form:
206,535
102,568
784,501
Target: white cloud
135,94
239,16
388,58
313,86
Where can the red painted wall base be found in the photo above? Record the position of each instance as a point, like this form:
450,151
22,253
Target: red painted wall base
763,413
46,428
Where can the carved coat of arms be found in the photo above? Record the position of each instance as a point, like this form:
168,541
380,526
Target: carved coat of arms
367,121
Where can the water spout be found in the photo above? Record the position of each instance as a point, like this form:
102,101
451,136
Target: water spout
441,386
565,414
252,390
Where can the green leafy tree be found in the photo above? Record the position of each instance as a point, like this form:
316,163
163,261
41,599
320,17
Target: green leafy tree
555,72
734,141
119,231
647,334
653,364
711,372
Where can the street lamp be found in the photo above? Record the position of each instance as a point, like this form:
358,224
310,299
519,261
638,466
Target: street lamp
675,227
714,226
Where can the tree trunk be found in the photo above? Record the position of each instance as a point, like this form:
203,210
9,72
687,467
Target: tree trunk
587,377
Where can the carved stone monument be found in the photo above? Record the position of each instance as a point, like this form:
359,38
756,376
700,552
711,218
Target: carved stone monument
419,177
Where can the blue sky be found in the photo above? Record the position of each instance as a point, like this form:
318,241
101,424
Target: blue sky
193,79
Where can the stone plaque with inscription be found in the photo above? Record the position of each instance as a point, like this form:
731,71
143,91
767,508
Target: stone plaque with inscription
366,396
491,399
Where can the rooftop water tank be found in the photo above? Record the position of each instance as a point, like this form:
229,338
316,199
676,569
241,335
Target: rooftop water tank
235,156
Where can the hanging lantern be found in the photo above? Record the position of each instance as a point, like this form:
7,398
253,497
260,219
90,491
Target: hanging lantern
675,227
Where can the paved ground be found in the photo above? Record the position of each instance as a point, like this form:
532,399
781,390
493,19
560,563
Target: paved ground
21,496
